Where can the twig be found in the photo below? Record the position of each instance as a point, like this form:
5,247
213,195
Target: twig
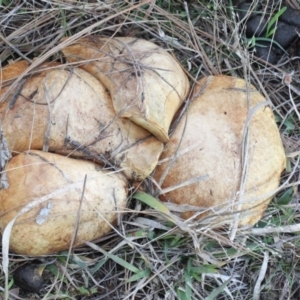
100,158
262,273
281,229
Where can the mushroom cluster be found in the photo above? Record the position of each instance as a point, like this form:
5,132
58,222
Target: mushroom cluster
80,133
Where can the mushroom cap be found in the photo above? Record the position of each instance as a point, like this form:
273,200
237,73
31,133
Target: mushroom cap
13,70
52,187
226,155
70,103
146,83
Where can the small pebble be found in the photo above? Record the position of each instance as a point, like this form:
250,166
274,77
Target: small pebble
243,10
28,278
266,53
256,26
285,34
291,16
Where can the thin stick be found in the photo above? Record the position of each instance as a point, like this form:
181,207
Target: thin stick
74,232
262,273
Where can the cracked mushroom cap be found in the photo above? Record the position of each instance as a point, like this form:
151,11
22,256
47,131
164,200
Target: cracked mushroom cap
226,154
146,83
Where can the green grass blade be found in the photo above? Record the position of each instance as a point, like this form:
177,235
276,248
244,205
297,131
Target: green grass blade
218,290
286,197
270,41
188,284
122,262
274,20
97,266
182,295
139,275
115,258
151,201
204,269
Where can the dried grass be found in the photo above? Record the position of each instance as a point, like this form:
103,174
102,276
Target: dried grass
168,258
